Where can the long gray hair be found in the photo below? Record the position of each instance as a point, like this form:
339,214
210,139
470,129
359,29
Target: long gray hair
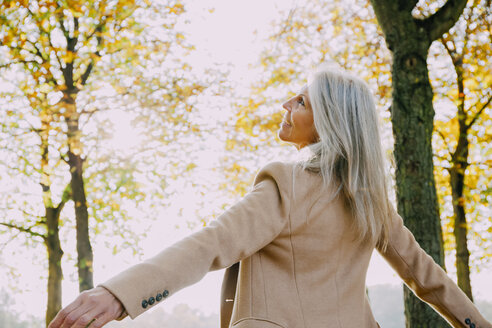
348,153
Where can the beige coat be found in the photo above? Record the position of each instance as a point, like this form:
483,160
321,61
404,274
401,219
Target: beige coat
299,266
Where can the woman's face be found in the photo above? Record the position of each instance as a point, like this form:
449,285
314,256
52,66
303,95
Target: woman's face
297,126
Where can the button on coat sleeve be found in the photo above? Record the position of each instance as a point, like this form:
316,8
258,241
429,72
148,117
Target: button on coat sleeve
428,280
239,232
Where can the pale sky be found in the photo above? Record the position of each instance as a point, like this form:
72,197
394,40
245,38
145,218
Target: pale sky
222,36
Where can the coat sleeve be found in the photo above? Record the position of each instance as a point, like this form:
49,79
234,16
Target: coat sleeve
428,280
239,232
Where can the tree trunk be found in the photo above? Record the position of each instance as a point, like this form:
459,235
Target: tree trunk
55,254
412,116
457,180
52,216
75,161
84,248
460,232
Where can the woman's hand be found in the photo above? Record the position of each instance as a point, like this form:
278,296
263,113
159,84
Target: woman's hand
92,308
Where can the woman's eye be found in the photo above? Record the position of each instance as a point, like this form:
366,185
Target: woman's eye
300,101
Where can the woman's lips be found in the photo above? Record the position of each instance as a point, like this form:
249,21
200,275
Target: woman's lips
285,124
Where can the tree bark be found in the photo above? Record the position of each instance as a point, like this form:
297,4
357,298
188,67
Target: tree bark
460,230
55,254
457,181
412,116
75,162
52,220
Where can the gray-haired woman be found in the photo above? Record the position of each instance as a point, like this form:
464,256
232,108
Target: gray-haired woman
303,236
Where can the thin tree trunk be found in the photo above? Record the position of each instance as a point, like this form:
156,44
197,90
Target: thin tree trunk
457,181
84,248
75,162
55,254
460,231
52,215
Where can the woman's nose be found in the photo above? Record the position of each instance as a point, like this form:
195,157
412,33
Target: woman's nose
286,105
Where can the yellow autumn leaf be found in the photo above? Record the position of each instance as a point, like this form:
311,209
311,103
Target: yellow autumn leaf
68,57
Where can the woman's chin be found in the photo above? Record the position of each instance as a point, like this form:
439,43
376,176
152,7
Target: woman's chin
284,133
282,136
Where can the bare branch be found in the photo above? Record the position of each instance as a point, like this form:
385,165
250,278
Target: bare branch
50,76
27,230
38,52
31,215
440,22
451,52
60,17
450,151
87,72
66,196
486,163
98,27
24,62
32,52
90,113
477,114
447,168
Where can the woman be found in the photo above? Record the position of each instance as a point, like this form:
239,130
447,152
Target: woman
303,236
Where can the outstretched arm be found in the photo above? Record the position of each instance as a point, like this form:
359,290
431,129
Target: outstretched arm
239,232
428,280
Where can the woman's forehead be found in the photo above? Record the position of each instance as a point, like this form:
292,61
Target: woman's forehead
303,90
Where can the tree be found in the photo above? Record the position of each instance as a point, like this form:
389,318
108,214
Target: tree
59,43
412,115
43,228
467,45
54,49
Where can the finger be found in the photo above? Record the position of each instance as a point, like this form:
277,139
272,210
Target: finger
73,317
87,319
102,320
61,315
90,324
85,305
111,312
